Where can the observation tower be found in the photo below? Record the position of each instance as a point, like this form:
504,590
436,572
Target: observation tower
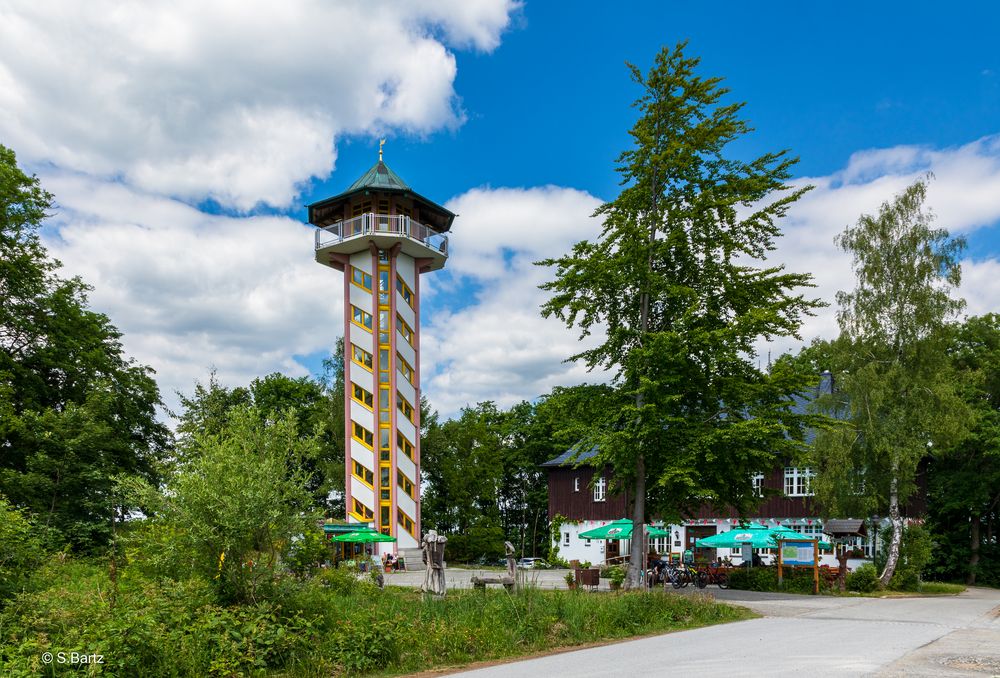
383,235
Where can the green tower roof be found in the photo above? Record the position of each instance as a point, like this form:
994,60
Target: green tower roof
379,177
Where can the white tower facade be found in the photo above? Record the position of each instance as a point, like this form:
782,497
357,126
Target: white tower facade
383,236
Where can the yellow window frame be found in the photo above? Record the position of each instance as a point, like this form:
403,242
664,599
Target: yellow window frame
405,369
404,445
365,316
405,484
365,514
368,358
405,330
404,291
359,471
365,399
365,277
405,520
362,435
404,406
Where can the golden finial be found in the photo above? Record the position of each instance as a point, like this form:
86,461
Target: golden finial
381,143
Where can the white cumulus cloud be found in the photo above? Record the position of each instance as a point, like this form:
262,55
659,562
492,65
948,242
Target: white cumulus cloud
236,102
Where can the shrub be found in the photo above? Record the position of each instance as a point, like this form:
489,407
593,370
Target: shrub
864,579
754,579
21,551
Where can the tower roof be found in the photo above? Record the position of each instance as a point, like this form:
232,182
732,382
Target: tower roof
380,179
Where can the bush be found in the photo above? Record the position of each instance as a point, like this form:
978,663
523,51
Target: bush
915,554
864,579
798,580
21,550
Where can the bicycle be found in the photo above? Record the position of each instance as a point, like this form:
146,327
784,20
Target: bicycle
717,576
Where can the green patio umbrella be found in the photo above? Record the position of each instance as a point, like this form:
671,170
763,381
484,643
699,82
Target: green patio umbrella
621,529
758,537
363,537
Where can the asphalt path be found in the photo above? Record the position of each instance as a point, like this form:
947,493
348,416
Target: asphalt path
798,636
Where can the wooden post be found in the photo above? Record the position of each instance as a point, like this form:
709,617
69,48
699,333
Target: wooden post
815,566
780,571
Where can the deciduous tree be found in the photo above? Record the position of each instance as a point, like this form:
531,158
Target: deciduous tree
675,289
896,390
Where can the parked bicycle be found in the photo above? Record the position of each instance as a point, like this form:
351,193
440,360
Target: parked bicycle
680,576
716,575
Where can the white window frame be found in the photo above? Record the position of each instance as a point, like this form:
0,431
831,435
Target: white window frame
565,538
600,489
798,481
757,480
576,484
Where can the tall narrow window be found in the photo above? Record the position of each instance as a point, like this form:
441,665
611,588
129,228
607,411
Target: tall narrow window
600,489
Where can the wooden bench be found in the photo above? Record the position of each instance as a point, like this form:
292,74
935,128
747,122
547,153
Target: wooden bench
506,581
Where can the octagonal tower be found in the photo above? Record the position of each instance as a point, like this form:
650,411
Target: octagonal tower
383,235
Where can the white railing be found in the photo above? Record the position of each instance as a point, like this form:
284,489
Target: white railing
368,224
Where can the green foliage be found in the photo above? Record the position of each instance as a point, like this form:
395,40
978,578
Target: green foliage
897,393
672,279
915,553
232,509
964,479
74,410
316,405
330,624
797,580
616,574
21,550
863,579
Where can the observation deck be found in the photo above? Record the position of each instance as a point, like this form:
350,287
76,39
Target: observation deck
384,230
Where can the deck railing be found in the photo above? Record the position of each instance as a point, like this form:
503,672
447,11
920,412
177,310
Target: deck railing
369,224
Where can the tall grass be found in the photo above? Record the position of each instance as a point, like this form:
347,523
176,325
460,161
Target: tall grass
329,625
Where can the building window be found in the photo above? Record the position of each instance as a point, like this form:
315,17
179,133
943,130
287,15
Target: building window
404,407
405,446
361,279
361,511
363,474
565,538
405,484
362,396
798,481
576,484
405,330
404,291
600,489
405,369
362,435
404,520
361,357
758,484
586,542
361,318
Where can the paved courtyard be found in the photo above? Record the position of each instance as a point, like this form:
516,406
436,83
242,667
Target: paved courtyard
946,636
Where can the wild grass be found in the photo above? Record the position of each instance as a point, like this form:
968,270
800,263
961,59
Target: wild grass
328,625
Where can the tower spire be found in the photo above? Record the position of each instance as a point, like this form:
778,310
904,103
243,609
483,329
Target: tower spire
381,143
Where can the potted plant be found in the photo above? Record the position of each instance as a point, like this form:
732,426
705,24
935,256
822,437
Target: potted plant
570,580
616,577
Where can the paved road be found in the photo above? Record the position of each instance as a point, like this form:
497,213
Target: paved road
798,636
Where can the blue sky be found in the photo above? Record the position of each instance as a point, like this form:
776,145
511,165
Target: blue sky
182,141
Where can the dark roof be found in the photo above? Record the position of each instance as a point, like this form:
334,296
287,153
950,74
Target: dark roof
572,457
801,403
845,527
